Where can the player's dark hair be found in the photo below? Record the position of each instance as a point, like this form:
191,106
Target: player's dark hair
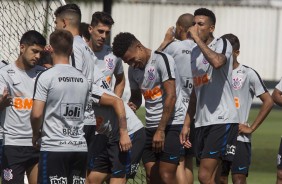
61,42
206,12
234,40
122,42
102,17
33,37
83,30
71,10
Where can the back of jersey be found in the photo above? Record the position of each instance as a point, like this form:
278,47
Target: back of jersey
65,90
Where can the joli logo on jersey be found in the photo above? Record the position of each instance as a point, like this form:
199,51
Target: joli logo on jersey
58,180
71,111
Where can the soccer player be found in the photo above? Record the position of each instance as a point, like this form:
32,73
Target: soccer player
246,83
83,32
216,118
17,84
60,96
277,98
117,159
180,49
155,75
108,63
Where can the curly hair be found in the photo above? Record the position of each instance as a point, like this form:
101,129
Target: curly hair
122,42
206,12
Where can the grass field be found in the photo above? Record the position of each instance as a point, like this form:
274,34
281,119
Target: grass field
265,144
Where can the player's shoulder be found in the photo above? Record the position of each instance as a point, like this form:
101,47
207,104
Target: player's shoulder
172,45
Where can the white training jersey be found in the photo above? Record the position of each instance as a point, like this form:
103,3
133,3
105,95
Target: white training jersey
64,90
108,63
2,64
15,119
215,102
279,85
160,68
106,118
246,84
181,53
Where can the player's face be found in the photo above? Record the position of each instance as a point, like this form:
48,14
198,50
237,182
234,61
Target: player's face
205,27
59,23
31,54
98,34
135,56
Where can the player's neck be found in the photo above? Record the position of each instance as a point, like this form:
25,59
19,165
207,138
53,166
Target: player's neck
74,32
235,64
60,59
96,48
20,64
209,40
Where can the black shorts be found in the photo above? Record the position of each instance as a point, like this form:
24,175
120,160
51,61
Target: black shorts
189,152
241,162
279,161
1,150
172,146
61,167
112,160
16,160
216,141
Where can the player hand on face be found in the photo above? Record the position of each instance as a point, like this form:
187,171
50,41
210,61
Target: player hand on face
158,141
193,32
124,142
169,36
6,99
245,129
184,137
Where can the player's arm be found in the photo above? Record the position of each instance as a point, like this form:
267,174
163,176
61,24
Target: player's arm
36,118
169,37
5,100
277,96
120,84
168,107
184,135
266,107
215,59
135,99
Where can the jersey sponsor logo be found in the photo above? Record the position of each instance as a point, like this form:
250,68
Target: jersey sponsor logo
71,131
73,143
230,149
237,83
71,111
70,79
153,94
188,84
237,102
201,80
151,75
204,61
20,103
109,79
7,174
110,63
104,84
58,180
186,52
78,180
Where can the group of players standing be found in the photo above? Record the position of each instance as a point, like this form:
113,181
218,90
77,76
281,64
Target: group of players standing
197,100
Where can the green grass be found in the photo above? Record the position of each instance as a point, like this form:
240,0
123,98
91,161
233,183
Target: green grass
265,144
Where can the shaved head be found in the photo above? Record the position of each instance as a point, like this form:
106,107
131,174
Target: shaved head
185,21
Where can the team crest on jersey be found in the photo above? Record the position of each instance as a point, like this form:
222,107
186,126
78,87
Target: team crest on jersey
110,63
205,61
237,83
8,174
151,75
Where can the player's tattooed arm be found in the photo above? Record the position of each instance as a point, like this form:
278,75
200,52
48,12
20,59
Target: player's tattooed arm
118,105
135,100
215,59
277,96
36,118
168,108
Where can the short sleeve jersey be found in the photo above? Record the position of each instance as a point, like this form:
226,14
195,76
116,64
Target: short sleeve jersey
181,53
246,84
108,63
279,85
215,102
160,68
106,118
64,90
2,64
16,118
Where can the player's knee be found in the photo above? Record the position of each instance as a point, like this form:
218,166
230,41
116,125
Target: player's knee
167,177
204,177
239,178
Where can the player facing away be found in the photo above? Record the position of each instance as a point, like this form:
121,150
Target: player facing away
246,83
180,47
277,98
216,120
60,96
155,75
119,158
107,62
17,84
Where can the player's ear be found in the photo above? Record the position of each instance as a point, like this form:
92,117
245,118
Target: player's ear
90,29
22,48
212,27
237,52
65,23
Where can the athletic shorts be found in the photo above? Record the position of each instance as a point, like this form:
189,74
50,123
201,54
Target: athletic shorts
241,162
216,141
112,160
172,146
189,152
16,160
279,162
61,167
1,150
